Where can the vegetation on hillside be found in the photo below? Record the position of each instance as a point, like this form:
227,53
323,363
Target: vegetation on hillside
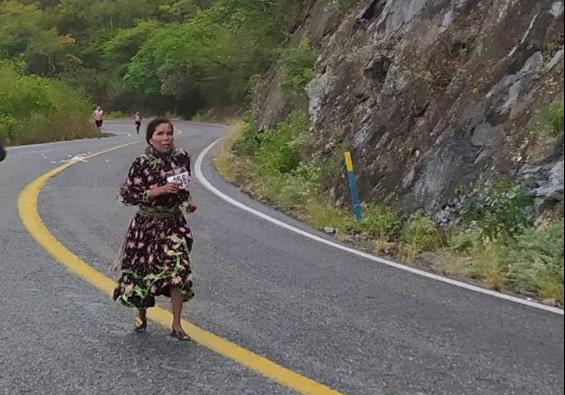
154,56
497,242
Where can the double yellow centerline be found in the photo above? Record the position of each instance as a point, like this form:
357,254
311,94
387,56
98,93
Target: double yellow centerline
28,210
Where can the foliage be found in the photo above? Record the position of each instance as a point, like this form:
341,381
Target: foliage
34,109
465,241
321,214
183,56
553,119
118,51
298,68
380,222
211,56
343,6
423,234
496,245
535,260
27,33
279,150
500,211
530,261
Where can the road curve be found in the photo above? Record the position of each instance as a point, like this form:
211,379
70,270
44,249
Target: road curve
342,320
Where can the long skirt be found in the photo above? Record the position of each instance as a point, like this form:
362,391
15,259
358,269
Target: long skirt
156,258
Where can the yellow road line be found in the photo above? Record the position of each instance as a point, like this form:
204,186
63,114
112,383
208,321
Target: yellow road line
29,214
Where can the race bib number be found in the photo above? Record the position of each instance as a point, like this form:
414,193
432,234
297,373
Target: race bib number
182,179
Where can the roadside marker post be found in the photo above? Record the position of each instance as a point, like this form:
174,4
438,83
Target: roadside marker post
353,186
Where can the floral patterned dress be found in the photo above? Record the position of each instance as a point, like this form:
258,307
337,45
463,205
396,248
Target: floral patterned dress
156,253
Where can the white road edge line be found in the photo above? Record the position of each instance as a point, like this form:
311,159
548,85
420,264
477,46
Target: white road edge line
211,188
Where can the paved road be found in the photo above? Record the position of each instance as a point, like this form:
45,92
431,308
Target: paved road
352,324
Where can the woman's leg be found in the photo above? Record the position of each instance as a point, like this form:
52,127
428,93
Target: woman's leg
140,323
177,301
142,314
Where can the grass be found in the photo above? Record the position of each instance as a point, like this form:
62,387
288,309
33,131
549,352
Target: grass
552,120
118,115
423,234
223,157
38,110
343,6
496,243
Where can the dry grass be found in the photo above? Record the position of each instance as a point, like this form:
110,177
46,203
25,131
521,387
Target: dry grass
407,253
487,267
551,288
224,160
461,255
382,246
457,266
44,131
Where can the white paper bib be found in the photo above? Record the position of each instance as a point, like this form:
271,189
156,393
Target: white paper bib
182,179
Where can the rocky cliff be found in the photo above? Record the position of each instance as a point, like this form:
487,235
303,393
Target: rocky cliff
434,97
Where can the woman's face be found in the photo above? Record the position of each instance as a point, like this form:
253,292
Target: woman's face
163,139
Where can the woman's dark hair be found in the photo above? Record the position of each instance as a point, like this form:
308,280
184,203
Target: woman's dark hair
153,125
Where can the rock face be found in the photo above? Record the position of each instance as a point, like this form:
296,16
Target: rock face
434,97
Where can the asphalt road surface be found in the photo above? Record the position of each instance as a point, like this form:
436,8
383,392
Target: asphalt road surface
354,325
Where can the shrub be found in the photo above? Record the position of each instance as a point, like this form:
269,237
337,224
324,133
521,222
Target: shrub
280,150
380,222
553,119
343,6
535,260
36,110
501,211
321,214
247,144
465,241
300,185
298,68
423,234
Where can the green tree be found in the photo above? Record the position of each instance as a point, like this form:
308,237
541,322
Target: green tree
26,32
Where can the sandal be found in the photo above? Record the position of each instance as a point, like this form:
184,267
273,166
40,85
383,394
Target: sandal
139,325
180,335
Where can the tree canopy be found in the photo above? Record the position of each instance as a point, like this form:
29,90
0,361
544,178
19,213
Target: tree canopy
149,55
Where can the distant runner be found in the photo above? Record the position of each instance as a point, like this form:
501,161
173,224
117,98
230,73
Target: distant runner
98,115
137,118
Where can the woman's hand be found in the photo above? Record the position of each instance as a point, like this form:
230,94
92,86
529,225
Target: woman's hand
164,190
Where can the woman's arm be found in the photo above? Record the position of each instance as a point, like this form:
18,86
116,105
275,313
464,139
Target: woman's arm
134,190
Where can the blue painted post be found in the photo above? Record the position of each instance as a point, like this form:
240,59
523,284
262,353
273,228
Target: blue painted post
353,187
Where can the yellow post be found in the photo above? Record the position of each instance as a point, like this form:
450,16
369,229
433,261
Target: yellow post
353,186
348,161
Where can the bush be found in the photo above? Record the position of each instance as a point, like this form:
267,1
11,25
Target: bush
380,222
343,6
553,119
321,214
280,150
298,186
423,234
535,261
118,115
36,110
276,153
247,143
501,211
298,68
465,241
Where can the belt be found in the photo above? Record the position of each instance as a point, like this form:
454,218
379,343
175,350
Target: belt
159,212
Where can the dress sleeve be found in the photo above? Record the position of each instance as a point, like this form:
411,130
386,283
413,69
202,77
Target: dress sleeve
134,189
185,195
